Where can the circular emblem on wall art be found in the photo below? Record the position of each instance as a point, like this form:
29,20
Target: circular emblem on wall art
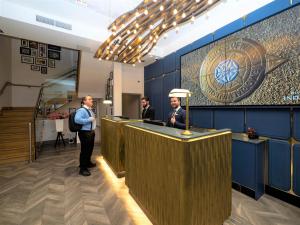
226,71
232,70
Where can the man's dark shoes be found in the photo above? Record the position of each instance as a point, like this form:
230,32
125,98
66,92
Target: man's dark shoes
91,165
84,172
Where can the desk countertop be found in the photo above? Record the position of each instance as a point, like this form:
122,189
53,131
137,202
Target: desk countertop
174,132
244,138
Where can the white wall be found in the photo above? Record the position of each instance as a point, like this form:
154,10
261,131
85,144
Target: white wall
93,75
117,89
127,79
21,73
5,70
133,79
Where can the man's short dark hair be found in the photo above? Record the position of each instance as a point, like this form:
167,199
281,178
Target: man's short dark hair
84,99
146,98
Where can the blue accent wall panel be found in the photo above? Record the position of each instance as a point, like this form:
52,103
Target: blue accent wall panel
248,165
202,118
177,79
181,52
297,169
267,11
147,88
229,118
296,125
157,69
279,164
274,123
153,89
229,29
169,82
147,72
169,63
243,164
202,41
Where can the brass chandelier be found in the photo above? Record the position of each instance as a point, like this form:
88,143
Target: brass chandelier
136,32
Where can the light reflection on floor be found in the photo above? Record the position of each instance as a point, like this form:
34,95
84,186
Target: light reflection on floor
122,191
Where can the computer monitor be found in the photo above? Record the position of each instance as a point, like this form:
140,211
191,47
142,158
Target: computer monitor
155,122
123,117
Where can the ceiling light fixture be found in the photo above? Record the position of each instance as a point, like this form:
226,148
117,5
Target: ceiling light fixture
135,33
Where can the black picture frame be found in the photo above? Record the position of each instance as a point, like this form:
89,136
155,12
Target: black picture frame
33,44
25,51
51,63
53,55
35,68
27,59
24,43
41,61
44,70
42,50
34,52
54,47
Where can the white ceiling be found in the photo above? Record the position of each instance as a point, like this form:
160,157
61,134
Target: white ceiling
90,19
112,9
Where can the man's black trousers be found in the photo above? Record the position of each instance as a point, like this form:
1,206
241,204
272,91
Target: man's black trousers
87,139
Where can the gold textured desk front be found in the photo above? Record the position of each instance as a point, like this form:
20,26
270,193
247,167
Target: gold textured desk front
112,143
179,181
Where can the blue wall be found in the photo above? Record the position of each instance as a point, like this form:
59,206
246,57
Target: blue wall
279,124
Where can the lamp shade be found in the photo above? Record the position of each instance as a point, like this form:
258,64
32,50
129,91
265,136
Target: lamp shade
179,93
107,102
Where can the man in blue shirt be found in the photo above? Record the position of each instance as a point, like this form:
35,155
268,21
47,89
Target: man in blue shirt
86,118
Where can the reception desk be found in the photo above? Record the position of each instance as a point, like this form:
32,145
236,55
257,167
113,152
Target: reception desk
176,179
112,143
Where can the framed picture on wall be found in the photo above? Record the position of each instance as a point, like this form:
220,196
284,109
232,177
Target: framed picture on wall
33,44
43,70
34,52
24,43
40,61
35,68
51,63
53,55
25,51
42,50
27,59
54,47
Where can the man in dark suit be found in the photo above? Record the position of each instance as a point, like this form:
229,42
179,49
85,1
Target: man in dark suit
148,111
177,117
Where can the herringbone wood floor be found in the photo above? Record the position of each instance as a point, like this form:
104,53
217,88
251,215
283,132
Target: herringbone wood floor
50,191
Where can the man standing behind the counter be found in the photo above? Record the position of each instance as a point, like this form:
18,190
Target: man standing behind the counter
148,111
86,118
177,117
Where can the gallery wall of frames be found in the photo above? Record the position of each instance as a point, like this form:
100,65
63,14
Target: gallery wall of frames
40,56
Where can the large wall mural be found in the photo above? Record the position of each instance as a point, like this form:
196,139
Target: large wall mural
259,65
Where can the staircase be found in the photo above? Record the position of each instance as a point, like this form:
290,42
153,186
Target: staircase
14,135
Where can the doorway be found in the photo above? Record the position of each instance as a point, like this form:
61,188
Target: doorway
131,105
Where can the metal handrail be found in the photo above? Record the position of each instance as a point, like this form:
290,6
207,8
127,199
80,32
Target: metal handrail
30,143
45,84
7,83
